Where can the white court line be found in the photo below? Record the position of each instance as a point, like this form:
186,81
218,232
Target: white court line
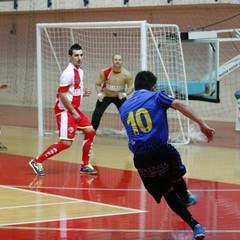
120,189
67,218
34,205
121,230
5,226
74,200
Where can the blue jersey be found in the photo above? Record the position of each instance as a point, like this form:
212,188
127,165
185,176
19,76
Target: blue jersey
144,116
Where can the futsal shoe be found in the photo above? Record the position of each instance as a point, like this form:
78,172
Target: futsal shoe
199,232
88,169
37,168
192,199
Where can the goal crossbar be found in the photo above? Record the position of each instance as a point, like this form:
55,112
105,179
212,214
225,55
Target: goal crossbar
154,47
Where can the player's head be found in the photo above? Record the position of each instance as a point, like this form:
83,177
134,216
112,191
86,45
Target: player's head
117,60
75,54
145,80
75,46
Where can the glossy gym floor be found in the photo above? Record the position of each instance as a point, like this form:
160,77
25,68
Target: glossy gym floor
113,204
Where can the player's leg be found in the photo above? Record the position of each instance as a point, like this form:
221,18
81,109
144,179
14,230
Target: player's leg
178,182
118,102
65,122
99,110
155,175
178,206
187,197
89,133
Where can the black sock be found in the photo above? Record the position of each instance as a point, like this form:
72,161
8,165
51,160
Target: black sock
180,188
193,223
177,205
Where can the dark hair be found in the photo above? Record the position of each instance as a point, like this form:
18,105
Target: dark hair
145,80
75,46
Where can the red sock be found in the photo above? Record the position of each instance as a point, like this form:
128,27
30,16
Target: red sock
51,151
87,147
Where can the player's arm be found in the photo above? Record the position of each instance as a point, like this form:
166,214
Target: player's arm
130,87
67,104
130,84
126,93
187,111
129,90
98,87
87,92
65,82
99,82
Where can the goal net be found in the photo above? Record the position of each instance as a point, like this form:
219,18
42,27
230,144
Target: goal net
144,46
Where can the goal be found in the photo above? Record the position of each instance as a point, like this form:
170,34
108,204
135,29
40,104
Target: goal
154,47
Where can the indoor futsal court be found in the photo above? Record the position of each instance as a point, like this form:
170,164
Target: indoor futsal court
192,46
113,204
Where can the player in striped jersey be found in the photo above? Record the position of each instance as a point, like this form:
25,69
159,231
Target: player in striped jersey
159,164
69,116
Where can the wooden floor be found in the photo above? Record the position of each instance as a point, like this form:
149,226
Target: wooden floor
114,204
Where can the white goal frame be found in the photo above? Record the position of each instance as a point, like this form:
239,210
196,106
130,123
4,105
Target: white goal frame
145,33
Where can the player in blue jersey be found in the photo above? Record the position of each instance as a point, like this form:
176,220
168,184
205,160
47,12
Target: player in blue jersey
159,164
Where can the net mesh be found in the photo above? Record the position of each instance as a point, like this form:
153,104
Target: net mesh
164,58
18,66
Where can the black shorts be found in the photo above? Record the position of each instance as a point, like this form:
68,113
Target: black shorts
158,169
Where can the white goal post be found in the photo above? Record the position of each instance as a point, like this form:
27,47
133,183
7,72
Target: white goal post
154,47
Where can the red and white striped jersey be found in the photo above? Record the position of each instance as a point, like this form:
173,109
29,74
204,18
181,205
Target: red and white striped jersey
71,82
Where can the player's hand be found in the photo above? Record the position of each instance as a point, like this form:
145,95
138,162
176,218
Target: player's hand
76,116
122,95
208,132
87,92
101,97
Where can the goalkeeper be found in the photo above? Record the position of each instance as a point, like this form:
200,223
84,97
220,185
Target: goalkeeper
113,86
159,164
